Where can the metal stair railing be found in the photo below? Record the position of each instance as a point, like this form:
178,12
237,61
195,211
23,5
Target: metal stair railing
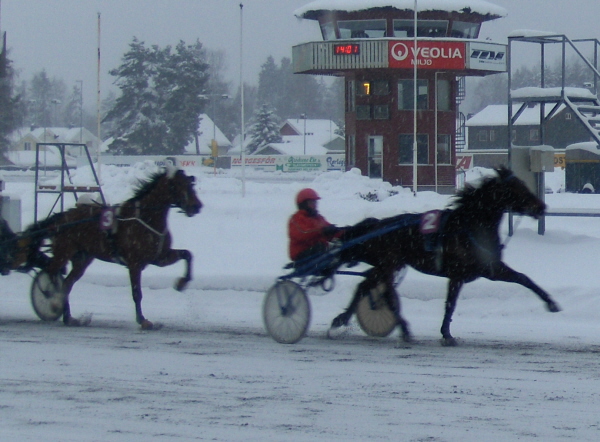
588,114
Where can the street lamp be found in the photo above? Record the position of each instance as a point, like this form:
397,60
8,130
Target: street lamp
303,116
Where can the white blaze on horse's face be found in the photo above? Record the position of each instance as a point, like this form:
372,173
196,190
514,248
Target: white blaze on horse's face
171,169
185,194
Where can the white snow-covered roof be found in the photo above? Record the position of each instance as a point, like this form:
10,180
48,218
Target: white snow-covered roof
590,146
50,158
205,128
497,115
526,33
318,131
296,147
475,6
545,92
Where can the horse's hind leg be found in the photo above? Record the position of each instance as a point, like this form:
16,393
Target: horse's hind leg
454,287
171,257
393,301
371,280
343,318
80,263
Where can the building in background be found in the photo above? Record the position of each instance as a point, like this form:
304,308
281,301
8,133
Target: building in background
306,137
372,45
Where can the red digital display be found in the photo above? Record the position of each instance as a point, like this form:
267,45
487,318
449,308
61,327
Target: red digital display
347,49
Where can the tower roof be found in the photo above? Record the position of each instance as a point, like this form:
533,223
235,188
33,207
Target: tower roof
486,9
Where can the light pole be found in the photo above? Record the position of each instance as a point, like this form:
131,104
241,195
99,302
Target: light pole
55,102
303,116
415,96
80,110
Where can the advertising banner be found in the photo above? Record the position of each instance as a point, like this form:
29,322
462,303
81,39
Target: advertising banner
430,54
464,161
486,57
293,163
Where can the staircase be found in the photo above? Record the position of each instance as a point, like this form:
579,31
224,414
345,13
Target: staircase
588,112
584,104
460,139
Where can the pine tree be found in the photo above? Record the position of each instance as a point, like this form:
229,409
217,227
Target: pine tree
160,104
10,109
73,109
265,129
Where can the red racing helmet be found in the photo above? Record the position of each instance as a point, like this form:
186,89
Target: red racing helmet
306,194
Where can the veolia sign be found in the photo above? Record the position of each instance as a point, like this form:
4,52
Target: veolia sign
430,54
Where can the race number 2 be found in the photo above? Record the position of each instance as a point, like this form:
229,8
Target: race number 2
430,222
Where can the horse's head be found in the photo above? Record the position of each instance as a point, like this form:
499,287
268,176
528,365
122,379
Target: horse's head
517,196
183,194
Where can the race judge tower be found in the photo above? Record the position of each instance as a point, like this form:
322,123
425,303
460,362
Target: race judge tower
371,43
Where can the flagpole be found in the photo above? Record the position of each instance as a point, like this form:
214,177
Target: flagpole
242,153
415,62
98,112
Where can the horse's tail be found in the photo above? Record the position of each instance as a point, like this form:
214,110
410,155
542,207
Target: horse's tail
31,241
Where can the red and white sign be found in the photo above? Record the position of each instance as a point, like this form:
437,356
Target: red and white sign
464,162
430,54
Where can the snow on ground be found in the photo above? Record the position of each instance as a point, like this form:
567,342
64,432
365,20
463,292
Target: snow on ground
212,372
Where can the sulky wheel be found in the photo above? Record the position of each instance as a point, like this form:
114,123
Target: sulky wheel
374,315
286,312
47,296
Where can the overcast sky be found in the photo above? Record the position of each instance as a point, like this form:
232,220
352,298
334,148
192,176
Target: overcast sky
61,36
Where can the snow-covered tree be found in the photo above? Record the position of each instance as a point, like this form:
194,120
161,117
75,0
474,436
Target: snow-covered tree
10,109
264,130
161,98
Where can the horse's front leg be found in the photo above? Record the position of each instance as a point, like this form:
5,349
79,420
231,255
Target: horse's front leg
502,272
135,277
171,257
454,287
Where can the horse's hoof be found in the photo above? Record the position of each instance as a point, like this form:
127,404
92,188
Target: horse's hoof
553,307
181,284
339,321
408,339
449,342
147,325
83,321
72,322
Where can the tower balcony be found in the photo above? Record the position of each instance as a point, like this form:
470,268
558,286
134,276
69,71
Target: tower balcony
337,57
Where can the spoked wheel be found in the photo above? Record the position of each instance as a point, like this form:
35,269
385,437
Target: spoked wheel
47,296
374,315
286,312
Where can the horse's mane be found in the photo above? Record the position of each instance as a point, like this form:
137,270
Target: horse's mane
471,195
143,187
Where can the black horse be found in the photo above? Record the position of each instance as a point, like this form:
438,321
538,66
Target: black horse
460,243
134,234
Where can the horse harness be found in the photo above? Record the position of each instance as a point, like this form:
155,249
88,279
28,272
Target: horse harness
109,223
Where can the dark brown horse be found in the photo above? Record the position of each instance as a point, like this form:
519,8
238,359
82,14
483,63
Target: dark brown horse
133,234
460,243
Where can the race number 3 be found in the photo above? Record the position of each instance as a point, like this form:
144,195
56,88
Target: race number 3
107,218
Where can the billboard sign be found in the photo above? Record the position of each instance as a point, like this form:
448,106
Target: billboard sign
430,54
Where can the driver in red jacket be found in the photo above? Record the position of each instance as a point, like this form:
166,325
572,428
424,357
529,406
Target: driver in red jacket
309,232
